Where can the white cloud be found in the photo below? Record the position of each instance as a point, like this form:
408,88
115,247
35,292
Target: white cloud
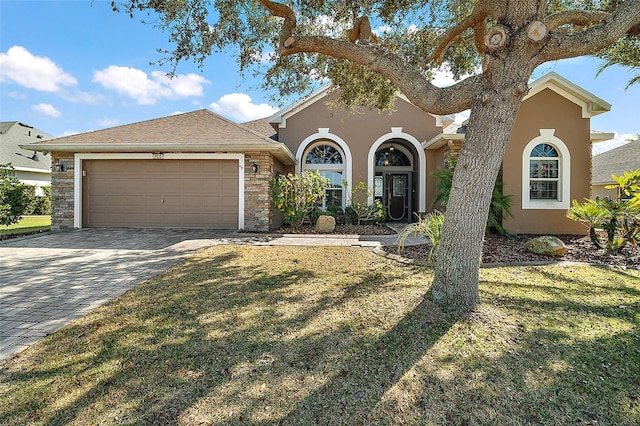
137,85
47,109
182,85
35,72
108,122
238,106
70,133
618,140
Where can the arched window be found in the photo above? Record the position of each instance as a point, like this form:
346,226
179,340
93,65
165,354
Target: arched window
323,154
544,173
392,157
327,159
546,165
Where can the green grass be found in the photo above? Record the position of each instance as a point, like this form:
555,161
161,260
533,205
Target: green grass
241,335
27,225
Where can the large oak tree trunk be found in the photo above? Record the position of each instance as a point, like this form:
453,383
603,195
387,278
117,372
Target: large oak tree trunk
458,259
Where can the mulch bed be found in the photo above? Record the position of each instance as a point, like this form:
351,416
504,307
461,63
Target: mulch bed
12,236
499,249
339,229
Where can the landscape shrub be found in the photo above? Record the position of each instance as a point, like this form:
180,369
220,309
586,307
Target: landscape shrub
618,219
296,195
359,210
429,226
14,198
41,204
500,204
37,204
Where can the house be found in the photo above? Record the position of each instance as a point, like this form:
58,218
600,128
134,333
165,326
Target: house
625,158
200,170
31,167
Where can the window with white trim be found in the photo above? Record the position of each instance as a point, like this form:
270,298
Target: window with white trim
544,177
328,160
546,165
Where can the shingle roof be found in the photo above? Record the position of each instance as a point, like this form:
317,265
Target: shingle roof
12,135
625,158
263,127
197,131
191,128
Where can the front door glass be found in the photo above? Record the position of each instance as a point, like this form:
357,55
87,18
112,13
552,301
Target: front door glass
397,192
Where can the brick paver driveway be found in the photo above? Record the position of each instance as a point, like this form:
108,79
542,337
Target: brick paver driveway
46,281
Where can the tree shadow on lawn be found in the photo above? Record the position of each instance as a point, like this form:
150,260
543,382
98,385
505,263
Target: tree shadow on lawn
221,341
227,338
572,356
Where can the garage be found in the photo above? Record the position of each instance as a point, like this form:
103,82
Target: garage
161,193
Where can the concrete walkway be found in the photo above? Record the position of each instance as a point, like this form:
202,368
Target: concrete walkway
48,280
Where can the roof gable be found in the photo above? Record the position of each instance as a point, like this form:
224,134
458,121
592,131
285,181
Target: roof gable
197,131
591,104
280,118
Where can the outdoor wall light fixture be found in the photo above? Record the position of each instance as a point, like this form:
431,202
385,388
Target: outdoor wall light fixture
60,167
254,167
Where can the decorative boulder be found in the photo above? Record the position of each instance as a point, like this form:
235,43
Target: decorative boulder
547,245
325,224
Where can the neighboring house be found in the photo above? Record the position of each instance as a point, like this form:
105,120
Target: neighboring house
200,170
31,167
625,158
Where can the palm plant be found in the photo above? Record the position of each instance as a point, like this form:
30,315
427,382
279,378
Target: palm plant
500,203
619,218
430,226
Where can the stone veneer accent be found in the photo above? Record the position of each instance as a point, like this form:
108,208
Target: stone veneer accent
62,191
258,215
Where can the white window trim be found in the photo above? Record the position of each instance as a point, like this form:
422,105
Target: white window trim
77,172
397,133
321,138
564,173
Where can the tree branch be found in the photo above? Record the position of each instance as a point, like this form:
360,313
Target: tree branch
282,11
574,17
361,32
561,45
477,17
409,81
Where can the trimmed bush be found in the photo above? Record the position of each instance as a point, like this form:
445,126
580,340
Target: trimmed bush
14,196
296,195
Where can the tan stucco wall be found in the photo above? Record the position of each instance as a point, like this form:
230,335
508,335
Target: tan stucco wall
359,130
547,110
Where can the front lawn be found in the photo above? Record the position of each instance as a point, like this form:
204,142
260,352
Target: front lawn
26,225
241,335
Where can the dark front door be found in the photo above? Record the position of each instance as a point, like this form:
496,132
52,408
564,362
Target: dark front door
398,195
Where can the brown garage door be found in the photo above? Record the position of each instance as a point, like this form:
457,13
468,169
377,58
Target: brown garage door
160,193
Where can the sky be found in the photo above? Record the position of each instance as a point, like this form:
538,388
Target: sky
72,66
